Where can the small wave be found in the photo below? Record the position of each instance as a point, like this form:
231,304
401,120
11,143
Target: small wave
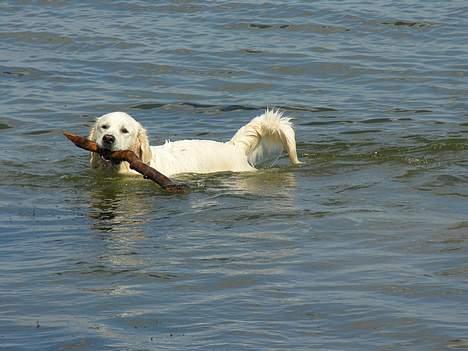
302,27
307,109
13,74
361,131
21,72
43,132
148,106
461,344
420,152
377,120
403,23
446,144
42,38
227,108
251,51
403,110
4,126
197,106
326,123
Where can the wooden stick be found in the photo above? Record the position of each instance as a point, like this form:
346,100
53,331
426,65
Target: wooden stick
134,161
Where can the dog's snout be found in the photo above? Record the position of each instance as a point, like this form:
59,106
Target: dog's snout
108,139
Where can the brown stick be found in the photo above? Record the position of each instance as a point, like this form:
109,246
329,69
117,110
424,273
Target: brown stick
134,161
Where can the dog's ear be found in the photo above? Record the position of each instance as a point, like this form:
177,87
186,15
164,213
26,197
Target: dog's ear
142,147
94,157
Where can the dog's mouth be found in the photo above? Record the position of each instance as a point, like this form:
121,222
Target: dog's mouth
106,157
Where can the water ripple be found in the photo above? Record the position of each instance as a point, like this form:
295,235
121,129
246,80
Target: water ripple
227,108
361,247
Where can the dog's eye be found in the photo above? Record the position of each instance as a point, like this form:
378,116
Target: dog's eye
105,126
124,130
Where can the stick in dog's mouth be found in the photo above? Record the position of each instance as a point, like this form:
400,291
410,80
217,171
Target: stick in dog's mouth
129,156
106,156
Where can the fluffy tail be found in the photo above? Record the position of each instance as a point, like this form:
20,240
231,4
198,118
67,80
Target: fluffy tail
265,137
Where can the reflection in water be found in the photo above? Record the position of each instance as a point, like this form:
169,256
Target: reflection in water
119,210
276,182
272,188
271,181
117,206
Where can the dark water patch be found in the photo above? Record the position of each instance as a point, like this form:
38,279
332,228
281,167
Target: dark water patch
376,120
461,225
421,153
449,144
43,132
305,28
435,148
423,143
4,126
196,106
94,43
229,108
225,108
410,24
461,271
362,131
318,214
327,70
22,72
438,192
416,138
160,275
264,26
325,123
13,74
103,270
449,180
100,270
317,28
252,51
148,106
306,108
36,37
355,187
403,110
199,134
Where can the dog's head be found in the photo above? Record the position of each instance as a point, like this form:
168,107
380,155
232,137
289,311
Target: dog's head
119,131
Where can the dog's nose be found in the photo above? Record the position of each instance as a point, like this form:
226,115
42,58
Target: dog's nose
108,139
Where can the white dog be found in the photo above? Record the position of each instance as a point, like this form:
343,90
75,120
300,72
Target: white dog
263,138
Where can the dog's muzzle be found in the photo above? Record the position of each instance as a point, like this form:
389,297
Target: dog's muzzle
108,141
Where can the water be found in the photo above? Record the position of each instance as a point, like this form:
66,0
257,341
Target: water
363,247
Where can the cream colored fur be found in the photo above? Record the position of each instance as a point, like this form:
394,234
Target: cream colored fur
263,139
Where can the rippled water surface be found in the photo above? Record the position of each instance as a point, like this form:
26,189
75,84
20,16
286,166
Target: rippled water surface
363,247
